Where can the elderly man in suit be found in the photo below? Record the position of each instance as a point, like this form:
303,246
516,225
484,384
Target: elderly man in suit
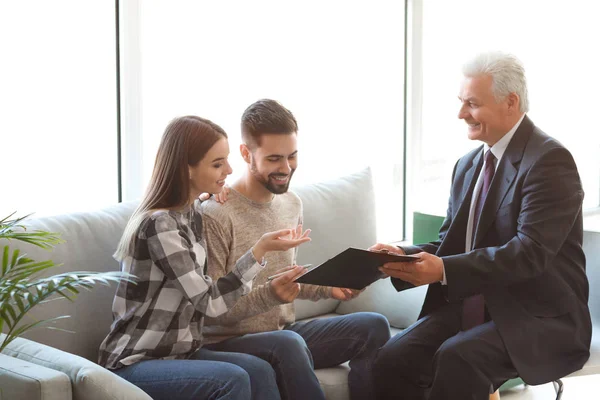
507,291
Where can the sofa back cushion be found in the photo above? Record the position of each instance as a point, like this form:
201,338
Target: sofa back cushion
91,239
341,214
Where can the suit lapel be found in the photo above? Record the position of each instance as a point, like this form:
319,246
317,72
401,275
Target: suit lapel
470,180
504,178
455,237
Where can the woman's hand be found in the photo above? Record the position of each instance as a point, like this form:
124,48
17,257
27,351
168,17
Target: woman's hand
284,287
280,241
218,197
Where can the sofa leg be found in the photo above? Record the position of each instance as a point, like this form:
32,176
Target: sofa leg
558,387
495,395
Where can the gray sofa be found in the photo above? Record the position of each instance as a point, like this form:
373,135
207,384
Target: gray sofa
341,213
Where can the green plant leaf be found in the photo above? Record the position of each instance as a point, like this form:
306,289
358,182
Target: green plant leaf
13,229
24,328
30,299
16,296
63,294
5,260
5,318
27,270
24,260
22,288
8,222
10,310
72,289
56,328
15,257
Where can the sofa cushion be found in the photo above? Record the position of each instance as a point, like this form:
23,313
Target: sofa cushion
89,381
23,380
341,214
91,239
400,308
334,380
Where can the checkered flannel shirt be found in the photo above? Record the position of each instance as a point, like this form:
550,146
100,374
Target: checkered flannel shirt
162,315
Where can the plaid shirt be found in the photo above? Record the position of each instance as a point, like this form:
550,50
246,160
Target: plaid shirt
162,315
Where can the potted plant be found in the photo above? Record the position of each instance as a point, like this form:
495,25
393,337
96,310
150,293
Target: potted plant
23,286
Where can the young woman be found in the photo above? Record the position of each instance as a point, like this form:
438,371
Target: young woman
155,339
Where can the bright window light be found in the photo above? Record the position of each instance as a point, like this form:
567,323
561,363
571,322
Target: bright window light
58,105
337,65
556,41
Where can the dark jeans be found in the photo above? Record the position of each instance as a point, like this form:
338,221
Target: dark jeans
433,359
206,375
295,352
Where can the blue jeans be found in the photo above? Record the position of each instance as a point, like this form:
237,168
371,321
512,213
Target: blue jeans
295,352
205,375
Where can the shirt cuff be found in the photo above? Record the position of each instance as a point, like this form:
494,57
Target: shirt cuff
443,281
247,267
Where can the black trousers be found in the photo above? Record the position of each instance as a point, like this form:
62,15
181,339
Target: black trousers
433,359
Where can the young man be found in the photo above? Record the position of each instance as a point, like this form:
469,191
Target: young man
263,323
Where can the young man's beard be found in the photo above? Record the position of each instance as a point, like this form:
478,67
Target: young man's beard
268,183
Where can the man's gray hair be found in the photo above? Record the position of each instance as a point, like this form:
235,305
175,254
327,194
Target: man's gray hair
507,72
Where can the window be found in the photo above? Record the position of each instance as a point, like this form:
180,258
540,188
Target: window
337,65
556,43
58,101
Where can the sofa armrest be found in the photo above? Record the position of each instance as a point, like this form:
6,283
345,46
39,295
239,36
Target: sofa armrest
23,380
89,381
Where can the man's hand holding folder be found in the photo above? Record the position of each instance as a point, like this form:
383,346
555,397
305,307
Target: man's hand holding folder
354,268
428,269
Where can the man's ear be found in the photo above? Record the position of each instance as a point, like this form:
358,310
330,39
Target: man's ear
513,101
245,152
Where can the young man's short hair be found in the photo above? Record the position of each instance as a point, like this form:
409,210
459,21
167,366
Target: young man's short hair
266,117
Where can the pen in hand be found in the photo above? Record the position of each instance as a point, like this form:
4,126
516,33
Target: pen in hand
270,278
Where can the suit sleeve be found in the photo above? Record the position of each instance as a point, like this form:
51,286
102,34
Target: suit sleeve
550,203
431,247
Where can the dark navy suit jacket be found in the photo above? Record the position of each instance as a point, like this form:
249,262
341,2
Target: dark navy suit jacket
527,260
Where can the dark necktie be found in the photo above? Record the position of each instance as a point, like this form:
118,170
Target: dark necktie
473,307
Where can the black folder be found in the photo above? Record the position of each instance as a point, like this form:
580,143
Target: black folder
354,269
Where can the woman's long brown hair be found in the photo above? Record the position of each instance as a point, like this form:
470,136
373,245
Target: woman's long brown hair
185,143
